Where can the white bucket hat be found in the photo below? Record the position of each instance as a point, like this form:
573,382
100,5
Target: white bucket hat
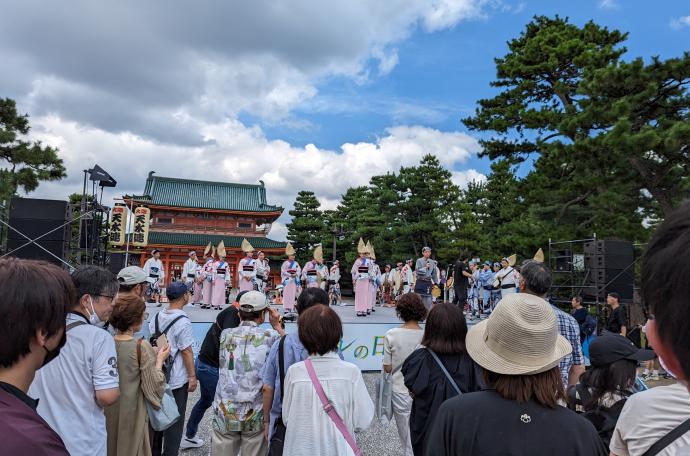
519,338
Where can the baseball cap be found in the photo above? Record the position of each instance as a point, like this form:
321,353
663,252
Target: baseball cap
609,348
176,290
133,275
253,301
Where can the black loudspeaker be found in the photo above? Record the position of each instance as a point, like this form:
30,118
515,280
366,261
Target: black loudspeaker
35,218
610,265
563,260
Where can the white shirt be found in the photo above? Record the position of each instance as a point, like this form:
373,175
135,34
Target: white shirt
310,431
335,274
507,276
648,416
191,267
397,346
66,388
180,336
154,267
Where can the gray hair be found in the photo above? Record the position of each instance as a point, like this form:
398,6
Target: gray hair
536,276
424,249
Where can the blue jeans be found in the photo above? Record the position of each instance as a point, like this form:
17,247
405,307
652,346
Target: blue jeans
208,379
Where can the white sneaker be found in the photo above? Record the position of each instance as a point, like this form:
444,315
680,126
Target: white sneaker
194,442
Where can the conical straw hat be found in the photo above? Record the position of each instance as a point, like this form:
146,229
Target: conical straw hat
289,250
539,256
512,259
207,249
221,249
246,246
318,253
367,248
361,247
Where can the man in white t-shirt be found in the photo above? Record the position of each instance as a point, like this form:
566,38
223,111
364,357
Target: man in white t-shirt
75,387
182,379
650,415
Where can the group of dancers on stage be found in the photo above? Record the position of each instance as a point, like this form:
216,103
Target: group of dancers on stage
211,281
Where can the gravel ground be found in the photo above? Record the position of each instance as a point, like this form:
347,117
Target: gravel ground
379,440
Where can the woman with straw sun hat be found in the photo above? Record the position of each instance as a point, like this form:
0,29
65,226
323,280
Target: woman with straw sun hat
519,347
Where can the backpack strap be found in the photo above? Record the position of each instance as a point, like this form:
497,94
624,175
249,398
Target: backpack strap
139,352
74,324
167,328
669,438
445,371
281,366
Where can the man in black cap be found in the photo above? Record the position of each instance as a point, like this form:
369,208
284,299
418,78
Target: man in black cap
617,322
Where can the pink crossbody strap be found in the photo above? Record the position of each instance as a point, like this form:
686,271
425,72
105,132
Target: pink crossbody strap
330,410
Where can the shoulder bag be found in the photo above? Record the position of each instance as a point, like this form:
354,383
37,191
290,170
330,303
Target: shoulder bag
164,417
330,410
445,371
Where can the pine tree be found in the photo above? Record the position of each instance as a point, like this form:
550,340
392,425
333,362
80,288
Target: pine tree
307,228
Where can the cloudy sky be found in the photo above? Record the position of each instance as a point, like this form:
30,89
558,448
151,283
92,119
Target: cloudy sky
303,94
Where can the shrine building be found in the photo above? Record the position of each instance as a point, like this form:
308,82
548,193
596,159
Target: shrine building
188,214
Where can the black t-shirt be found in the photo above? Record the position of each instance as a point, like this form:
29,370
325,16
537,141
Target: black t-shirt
459,279
580,315
425,379
228,318
616,320
484,423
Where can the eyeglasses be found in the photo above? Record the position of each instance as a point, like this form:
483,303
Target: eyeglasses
105,296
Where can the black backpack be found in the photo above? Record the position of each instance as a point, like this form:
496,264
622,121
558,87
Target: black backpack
589,326
168,363
604,419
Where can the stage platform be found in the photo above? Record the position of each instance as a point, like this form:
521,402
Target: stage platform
346,313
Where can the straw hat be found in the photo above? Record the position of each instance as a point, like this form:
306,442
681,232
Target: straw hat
318,253
367,248
289,250
539,256
221,249
511,260
246,246
520,337
207,249
361,246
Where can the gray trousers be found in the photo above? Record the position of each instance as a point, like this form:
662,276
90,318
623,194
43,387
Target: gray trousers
427,300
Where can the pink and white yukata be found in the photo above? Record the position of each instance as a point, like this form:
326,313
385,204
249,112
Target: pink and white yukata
289,275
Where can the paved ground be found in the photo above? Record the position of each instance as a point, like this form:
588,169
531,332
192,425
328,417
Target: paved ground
379,440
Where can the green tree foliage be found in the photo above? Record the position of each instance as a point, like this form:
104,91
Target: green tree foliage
609,139
307,228
23,164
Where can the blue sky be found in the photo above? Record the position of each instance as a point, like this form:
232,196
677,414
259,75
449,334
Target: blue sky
300,94
440,75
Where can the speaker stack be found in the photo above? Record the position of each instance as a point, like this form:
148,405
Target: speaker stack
35,218
610,265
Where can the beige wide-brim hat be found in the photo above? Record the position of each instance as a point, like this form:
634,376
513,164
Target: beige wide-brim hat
520,337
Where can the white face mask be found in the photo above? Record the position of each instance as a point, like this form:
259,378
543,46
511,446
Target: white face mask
94,319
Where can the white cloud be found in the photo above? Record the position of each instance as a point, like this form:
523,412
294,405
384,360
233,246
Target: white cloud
681,22
235,153
608,4
463,178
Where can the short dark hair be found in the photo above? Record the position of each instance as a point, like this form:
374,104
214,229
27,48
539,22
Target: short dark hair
445,330
128,310
311,297
94,280
410,307
320,329
124,288
545,388
578,299
666,282
537,277
251,315
615,295
36,295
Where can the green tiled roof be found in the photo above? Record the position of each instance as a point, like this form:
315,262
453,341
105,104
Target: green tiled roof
170,191
196,240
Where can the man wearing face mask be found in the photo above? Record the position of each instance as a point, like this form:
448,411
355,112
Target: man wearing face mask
32,332
75,387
